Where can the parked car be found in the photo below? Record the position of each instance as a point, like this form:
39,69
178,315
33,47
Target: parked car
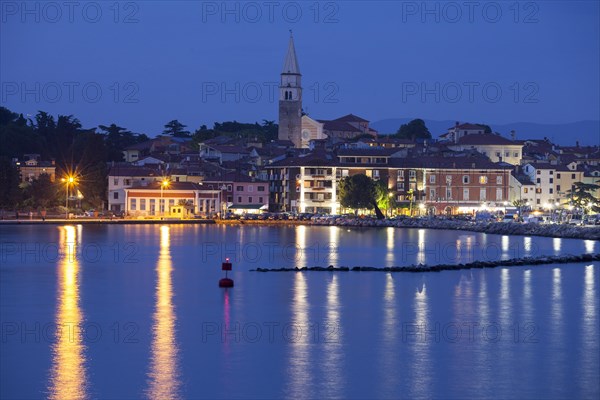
575,219
509,218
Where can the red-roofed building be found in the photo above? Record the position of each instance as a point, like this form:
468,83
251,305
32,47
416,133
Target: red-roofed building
493,146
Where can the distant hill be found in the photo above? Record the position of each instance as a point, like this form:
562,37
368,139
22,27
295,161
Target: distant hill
587,132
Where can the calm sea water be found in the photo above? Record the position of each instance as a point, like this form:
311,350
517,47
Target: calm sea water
135,311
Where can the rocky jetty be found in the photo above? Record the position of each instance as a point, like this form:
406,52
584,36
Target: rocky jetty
449,267
500,228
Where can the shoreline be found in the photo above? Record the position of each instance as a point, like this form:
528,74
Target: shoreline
513,262
495,228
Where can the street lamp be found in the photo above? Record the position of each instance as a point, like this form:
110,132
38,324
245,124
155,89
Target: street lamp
69,180
163,185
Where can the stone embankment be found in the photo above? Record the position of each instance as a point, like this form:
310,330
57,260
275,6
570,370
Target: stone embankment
566,259
500,228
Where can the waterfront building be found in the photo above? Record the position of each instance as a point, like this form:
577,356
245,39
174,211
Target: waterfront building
437,184
174,200
543,176
121,177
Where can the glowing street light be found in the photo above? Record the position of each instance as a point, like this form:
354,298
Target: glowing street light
164,184
69,180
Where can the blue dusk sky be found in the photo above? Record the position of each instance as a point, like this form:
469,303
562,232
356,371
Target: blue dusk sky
140,64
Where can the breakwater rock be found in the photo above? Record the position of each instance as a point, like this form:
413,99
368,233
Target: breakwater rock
500,228
449,267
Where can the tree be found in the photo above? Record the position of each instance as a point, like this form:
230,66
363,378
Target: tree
385,198
9,181
187,205
117,139
581,196
486,128
176,129
415,129
42,192
358,191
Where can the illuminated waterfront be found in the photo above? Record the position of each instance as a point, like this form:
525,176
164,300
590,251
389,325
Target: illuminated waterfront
153,323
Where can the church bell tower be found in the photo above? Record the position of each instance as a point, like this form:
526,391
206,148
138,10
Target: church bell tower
290,98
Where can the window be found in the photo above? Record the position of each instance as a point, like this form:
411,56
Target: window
375,173
239,188
176,179
432,179
431,194
369,173
525,190
465,179
557,176
401,185
260,188
171,202
448,193
537,201
538,190
449,179
499,180
507,153
465,194
538,180
127,182
558,188
498,194
251,188
239,199
572,176
250,199
482,194
498,154
229,188
538,172
551,172
260,200
142,204
115,195
412,174
551,180
344,172
132,204
483,179
115,181
550,190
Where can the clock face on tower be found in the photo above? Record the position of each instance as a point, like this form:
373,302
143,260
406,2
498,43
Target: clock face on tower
305,135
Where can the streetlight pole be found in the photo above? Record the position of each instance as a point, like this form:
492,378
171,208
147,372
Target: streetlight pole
163,185
68,180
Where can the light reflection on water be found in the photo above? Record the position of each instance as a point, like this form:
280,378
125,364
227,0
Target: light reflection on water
589,356
163,375
421,373
561,300
389,359
299,367
69,374
332,337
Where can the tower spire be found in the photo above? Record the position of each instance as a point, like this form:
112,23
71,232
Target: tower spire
290,65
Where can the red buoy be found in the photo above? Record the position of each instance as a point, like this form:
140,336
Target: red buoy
226,282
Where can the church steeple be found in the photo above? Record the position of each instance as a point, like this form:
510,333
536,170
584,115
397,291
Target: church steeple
290,97
290,65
